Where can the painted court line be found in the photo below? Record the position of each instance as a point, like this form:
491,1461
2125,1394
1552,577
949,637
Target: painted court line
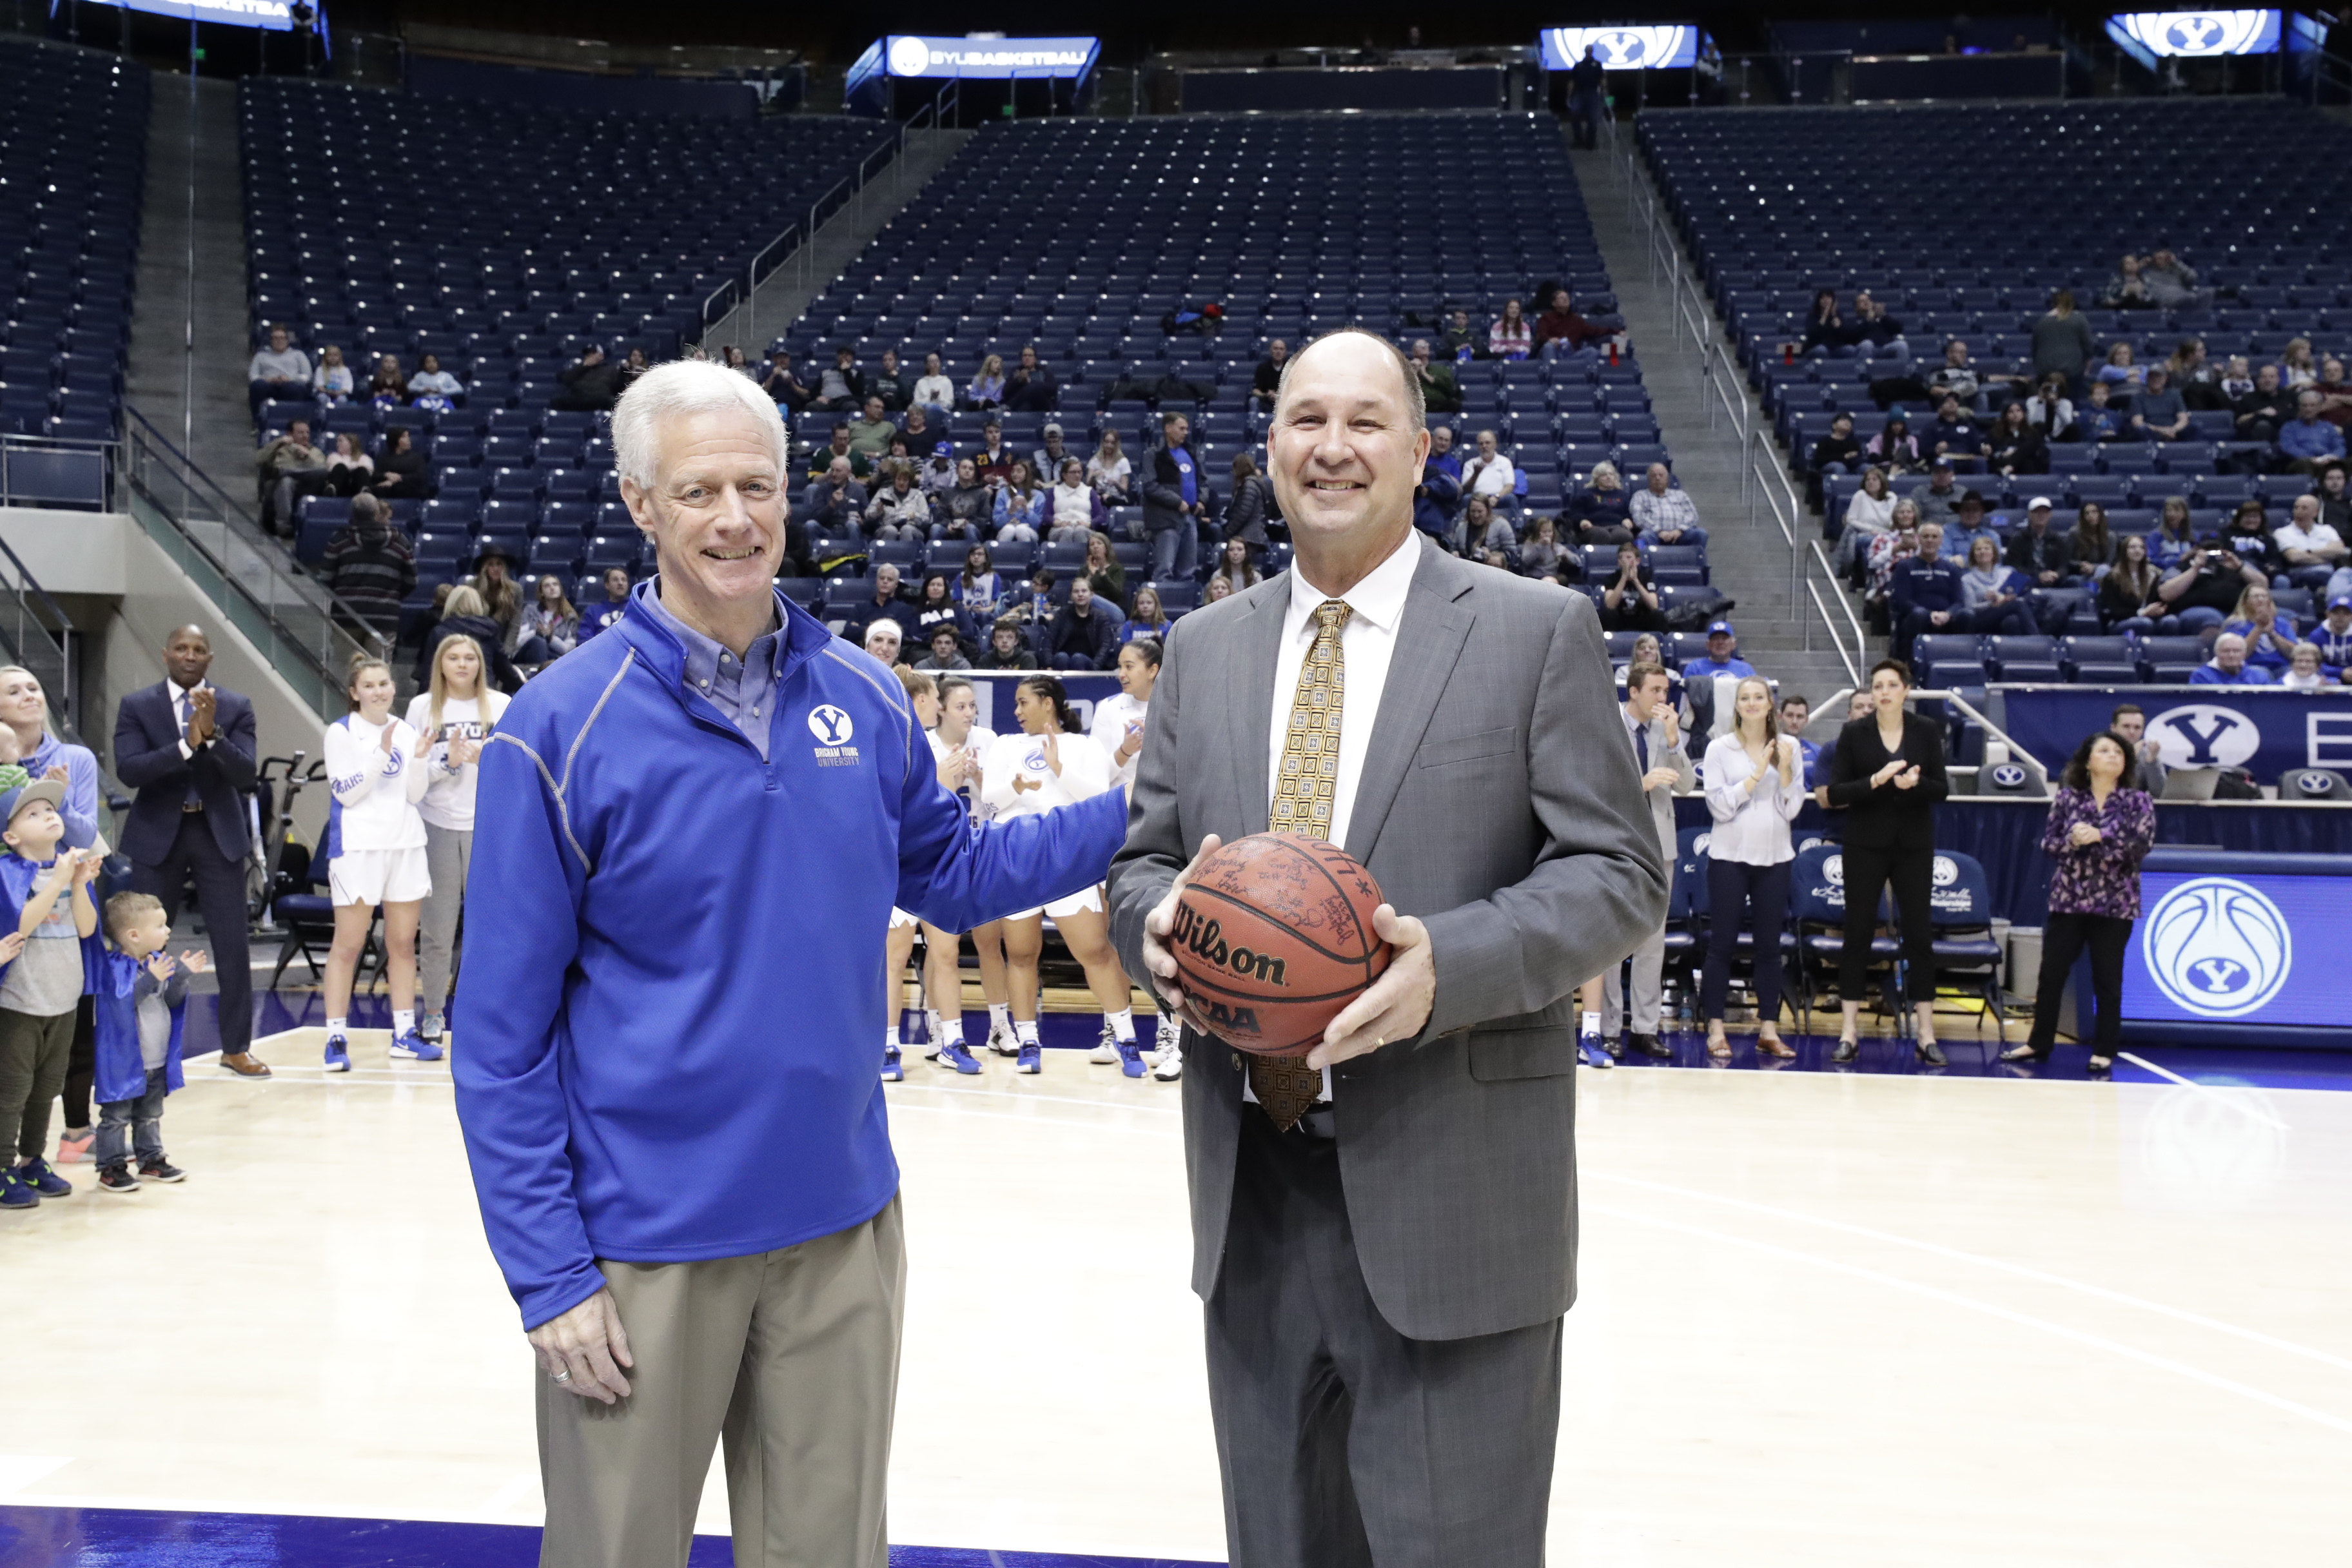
2147,1066
2024,1319
2253,1335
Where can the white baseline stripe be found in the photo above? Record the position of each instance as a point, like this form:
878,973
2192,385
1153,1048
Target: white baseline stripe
2146,1065
2165,1363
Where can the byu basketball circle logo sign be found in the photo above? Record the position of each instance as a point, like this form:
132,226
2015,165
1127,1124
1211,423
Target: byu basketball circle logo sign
1947,871
2204,735
1833,867
909,57
2216,947
830,725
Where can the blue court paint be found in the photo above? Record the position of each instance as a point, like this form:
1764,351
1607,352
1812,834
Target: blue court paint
143,1537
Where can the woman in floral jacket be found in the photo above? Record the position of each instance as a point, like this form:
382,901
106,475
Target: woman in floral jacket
2098,832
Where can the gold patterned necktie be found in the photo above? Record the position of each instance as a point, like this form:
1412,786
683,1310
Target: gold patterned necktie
1303,797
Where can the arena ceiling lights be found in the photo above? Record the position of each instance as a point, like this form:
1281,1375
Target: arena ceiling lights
1621,48
2196,34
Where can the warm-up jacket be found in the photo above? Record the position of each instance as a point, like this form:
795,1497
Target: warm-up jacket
672,989
111,979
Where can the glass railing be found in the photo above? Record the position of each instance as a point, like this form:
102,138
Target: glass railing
307,633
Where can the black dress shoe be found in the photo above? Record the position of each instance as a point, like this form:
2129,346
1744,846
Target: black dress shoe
1846,1051
1933,1055
2025,1054
1649,1046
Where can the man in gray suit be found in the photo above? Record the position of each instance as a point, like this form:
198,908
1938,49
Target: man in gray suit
1660,752
1385,1234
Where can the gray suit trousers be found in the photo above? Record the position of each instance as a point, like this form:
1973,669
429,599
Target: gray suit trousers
1344,1444
1649,990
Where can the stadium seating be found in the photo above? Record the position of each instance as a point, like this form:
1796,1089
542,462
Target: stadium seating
73,158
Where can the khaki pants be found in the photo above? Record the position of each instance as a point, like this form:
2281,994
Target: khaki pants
792,1356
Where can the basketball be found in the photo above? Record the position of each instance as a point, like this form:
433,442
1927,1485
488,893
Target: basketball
1273,938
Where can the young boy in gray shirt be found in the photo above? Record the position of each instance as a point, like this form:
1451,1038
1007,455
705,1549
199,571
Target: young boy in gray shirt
45,899
140,998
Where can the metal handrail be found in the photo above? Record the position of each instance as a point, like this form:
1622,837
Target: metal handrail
301,627
1715,369
44,652
1768,476
108,453
1853,662
1994,732
754,273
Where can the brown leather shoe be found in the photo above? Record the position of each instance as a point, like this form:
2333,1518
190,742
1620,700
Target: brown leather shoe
244,1064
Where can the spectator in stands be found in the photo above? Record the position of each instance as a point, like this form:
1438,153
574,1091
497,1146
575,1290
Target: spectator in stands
1019,514
1879,336
1488,472
283,463
600,617
1174,503
1008,649
887,604
834,504
934,393
1030,388
1956,376
821,460
1953,436
2096,420
2016,447
2229,665
281,369
371,566
467,615
2130,722
1753,791
2128,602
591,383
872,433
1146,619
1251,504
783,385
2296,370
841,386
1899,545
1481,528
1073,509
2099,830
431,381
1826,331
1895,448
987,388
1938,500
969,511
1837,452
2121,374
1966,528
1462,341
401,471
1236,565
2046,559
2095,544
889,384
2195,377
2126,290
1869,513
1110,471
979,587
1104,572
1083,634
2270,633
1795,713
2063,342
1561,323
899,511
350,470
1439,391
1266,380
1926,594
736,360
494,579
2205,592
2052,412
2311,550
2304,672
1994,594
1587,83
1664,514
2157,413
1602,511
936,607
938,475
331,382
2333,636
550,626
2307,441
2334,393
388,388
1541,555
1888,775
2249,535
2175,537
994,459
2169,282
633,365
2262,413
1510,337
2235,383
2336,499
1630,602
1722,655
946,651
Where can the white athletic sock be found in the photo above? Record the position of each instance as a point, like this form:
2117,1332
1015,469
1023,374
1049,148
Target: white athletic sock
1122,1025
890,1039
1588,1024
403,1021
947,1028
932,1027
999,1017
338,1025
1025,1032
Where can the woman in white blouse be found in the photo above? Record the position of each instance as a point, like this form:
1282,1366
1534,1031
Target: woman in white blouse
1869,513
1109,470
1755,786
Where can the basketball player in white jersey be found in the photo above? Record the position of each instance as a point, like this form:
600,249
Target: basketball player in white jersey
957,742
1118,728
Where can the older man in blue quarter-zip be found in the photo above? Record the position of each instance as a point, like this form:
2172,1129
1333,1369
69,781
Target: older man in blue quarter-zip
688,838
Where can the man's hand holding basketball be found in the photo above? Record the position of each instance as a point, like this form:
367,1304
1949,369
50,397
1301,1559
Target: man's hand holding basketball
1396,1005
1163,921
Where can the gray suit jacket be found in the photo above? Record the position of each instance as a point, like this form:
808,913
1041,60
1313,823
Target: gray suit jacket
1501,804
1661,801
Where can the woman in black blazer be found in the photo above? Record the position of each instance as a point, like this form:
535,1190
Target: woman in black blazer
1888,774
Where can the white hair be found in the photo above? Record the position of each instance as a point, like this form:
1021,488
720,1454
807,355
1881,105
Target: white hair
679,390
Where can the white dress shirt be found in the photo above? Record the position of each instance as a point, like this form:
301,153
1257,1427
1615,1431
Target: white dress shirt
183,701
1751,828
1366,645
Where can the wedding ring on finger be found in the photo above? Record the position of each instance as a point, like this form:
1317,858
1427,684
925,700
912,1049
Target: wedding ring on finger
564,1377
